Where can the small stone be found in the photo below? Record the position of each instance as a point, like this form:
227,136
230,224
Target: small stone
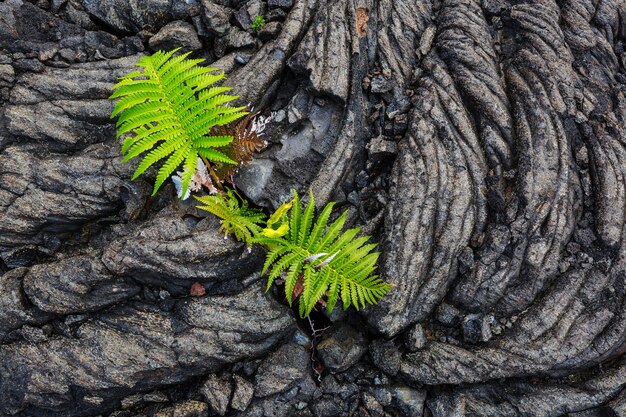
373,407
269,31
408,400
67,54
338,313
426,41
47,52
32,334
447,315
477,328
255,8
353,198
386,356
326,407
155,397
216,391
585,236
301,338
244,391
400,124
216,17
380,84
93,400
131,401
399,105
416,338
242,58
573,248
176,34
342,347
379,146
7,75
301,405
234,39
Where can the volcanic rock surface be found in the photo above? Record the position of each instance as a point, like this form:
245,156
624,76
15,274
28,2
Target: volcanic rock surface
481,142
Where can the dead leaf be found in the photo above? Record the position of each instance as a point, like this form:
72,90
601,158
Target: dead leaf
197,290
362,16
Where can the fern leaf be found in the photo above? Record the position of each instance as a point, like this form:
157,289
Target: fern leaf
330,263
236,217
168,108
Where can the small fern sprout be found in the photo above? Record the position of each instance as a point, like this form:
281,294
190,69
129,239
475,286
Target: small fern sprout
327,262
167,112
236,217
257,23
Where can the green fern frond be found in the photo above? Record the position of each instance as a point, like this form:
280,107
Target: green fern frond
237,218
329,262
168,111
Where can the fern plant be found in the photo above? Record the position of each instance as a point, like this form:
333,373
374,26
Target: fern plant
320,263
167,111
236,217
330,263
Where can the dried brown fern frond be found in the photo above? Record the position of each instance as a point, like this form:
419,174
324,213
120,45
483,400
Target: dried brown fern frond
247,139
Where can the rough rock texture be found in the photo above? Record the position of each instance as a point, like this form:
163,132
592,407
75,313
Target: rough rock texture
482,143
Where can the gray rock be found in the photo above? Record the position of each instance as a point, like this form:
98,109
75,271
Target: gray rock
281,370
233,39
216,17
75,285
217,391
385,355
242,396
176,35
326,407
408,400
341,347
399,105
380,84
151,349
379,146
15,308
130,17
372,406
173,254
415,339
477,328
269,31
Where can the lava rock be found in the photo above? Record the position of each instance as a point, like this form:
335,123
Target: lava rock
379,84
216,391
244,391
415,339
281,370
216,17
408,400
477,328
399,105
269,31
386,356
342,347
326,407
176,35
380,147
234,39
